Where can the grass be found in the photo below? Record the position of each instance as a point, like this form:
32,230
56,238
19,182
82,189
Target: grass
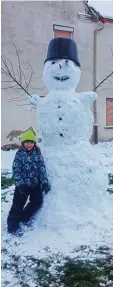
86,274
71,273
81,274
53,272
6,182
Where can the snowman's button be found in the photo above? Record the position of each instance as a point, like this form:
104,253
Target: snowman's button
61,135
59,106
60,119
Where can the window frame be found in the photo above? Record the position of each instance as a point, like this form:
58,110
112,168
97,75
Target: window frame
107,126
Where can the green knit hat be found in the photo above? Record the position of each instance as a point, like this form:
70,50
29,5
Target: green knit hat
28,136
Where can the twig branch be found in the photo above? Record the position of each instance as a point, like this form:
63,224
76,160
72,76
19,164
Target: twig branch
106,78
16,81
16,99
18,61
30,75
8,71
7,81
22,105
11,66
10,87
32,108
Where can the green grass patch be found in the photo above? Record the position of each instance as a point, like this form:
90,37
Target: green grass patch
86,274
81,274
6,182
76,273
58,271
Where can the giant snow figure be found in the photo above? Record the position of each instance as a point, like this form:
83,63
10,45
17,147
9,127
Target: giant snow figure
66,121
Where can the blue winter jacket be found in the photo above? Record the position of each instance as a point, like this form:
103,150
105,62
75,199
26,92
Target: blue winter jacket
29,169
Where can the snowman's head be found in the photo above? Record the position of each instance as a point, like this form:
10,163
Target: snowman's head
62,67
62,74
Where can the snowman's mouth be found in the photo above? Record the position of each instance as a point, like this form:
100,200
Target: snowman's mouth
62,79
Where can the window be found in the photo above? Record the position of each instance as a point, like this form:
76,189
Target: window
109,112
63,31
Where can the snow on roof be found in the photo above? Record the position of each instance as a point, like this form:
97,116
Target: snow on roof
105,8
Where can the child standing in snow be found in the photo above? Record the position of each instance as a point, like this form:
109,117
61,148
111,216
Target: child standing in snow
29,174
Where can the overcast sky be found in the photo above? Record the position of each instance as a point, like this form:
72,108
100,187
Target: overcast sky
102,6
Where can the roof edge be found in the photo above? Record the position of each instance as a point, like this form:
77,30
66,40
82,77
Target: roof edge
108,19
101,18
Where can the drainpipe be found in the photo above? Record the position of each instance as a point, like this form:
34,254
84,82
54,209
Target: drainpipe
95,133
96,17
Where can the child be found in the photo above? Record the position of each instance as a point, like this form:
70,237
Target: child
29,174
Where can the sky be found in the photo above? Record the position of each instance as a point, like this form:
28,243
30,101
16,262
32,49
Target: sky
102,6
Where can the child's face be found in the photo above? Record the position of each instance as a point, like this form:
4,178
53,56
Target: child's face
29,145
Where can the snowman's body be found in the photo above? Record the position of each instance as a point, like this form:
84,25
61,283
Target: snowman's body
66,123
65,117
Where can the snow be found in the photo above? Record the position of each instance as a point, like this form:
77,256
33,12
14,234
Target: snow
78,205
104,7
6,160
78,210
61,69
39,240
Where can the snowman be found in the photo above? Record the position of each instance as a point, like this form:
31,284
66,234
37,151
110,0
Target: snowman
78,187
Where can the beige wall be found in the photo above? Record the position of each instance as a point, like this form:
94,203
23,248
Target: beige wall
30,26
104,67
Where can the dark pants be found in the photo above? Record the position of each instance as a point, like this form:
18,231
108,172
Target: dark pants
18,213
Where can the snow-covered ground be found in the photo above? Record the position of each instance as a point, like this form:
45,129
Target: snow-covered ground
41,241
36,239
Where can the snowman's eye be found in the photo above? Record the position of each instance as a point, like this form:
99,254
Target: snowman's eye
53,62
66,61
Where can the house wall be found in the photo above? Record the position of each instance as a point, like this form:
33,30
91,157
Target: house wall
29,25
104,68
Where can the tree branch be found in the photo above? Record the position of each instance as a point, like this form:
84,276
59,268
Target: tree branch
9,72
106,78
18,61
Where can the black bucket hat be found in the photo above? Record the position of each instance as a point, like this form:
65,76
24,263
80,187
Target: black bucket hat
62,48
